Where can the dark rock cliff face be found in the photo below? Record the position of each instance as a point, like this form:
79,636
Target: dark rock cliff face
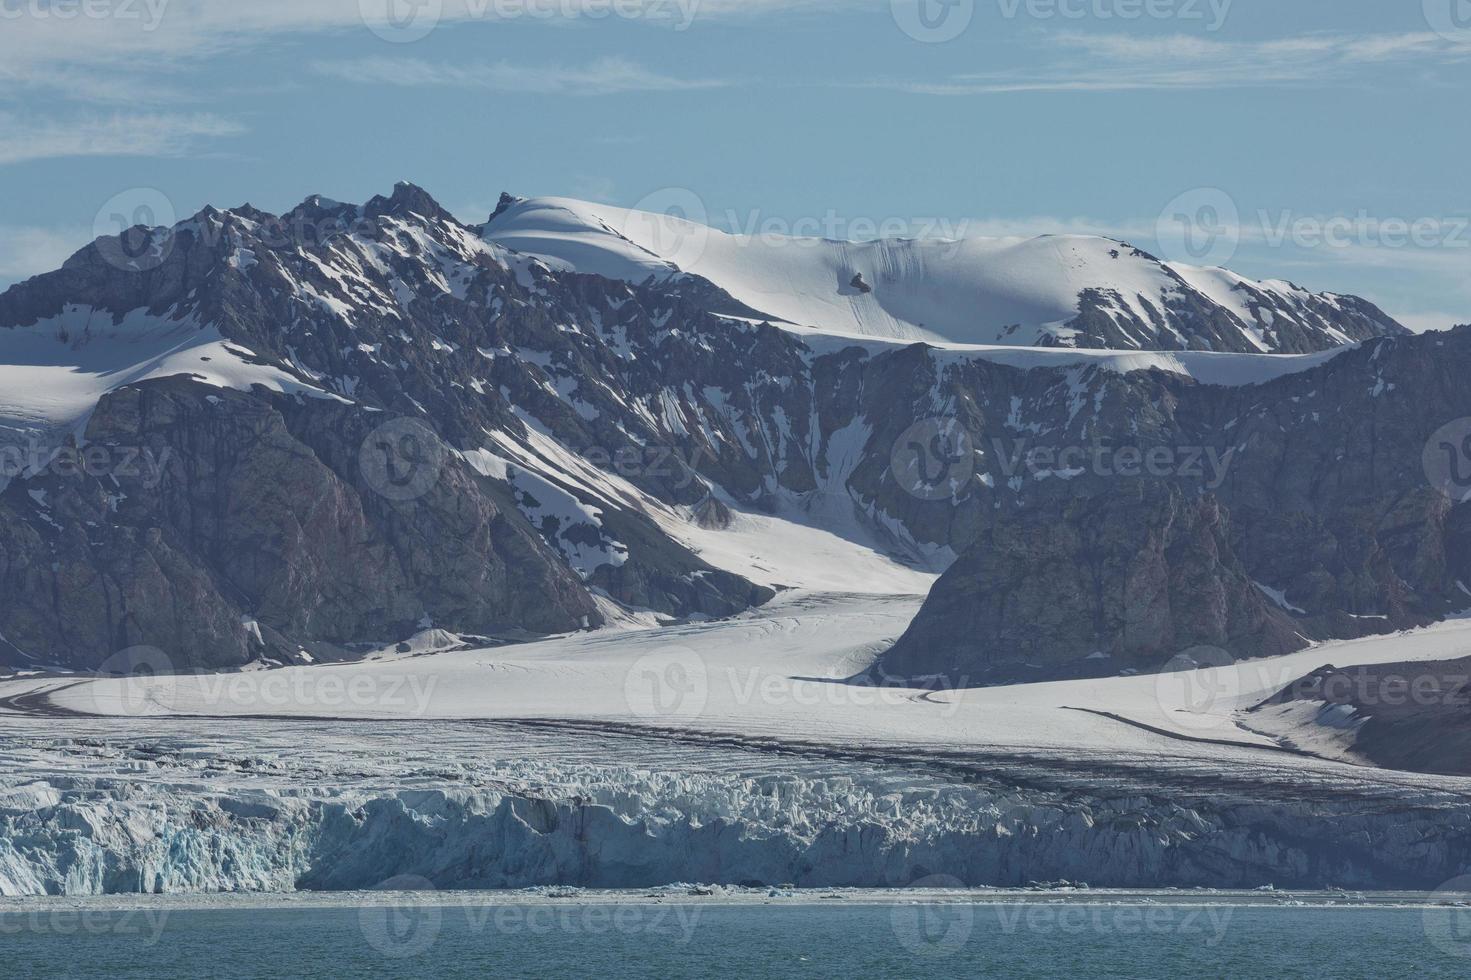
1412,716
262,530
249,521
1099,584
1297,322
553,416
1313,517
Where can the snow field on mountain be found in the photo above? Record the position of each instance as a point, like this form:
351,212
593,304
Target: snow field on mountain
969,291
53,373
963,291
779,672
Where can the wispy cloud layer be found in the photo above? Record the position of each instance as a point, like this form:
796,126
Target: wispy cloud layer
1422,322
120,134
1136,232
27,251
145,55
137,36
1125,62
607,76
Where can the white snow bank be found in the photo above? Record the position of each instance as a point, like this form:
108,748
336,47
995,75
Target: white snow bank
968,291
53,373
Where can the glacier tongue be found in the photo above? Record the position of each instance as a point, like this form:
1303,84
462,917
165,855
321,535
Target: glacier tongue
486,805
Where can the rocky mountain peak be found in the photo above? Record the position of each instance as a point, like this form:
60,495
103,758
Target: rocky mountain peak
406,200
506,202
585,419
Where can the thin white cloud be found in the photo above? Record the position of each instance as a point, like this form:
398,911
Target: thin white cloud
147,54
1134,232
607,76
129,40
1450,261
1424,322
1124,62
27,251
120,134
29,83
590,187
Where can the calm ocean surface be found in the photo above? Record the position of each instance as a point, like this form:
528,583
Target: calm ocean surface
664,941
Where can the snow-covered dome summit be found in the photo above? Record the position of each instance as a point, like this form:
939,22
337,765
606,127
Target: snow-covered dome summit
1056,290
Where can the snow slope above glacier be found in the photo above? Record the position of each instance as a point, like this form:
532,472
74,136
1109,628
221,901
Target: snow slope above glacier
53,372
1012,291
782,672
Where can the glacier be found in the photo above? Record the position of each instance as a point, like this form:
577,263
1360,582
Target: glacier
753,760
316,806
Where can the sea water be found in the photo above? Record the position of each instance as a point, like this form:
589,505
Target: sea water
663,940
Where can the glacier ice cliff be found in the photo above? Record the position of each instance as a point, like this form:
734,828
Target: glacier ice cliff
481,809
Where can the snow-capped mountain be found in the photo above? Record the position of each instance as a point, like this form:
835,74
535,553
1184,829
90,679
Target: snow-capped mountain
1057,290
353,426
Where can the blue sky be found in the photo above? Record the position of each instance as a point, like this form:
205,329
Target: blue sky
1322,141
